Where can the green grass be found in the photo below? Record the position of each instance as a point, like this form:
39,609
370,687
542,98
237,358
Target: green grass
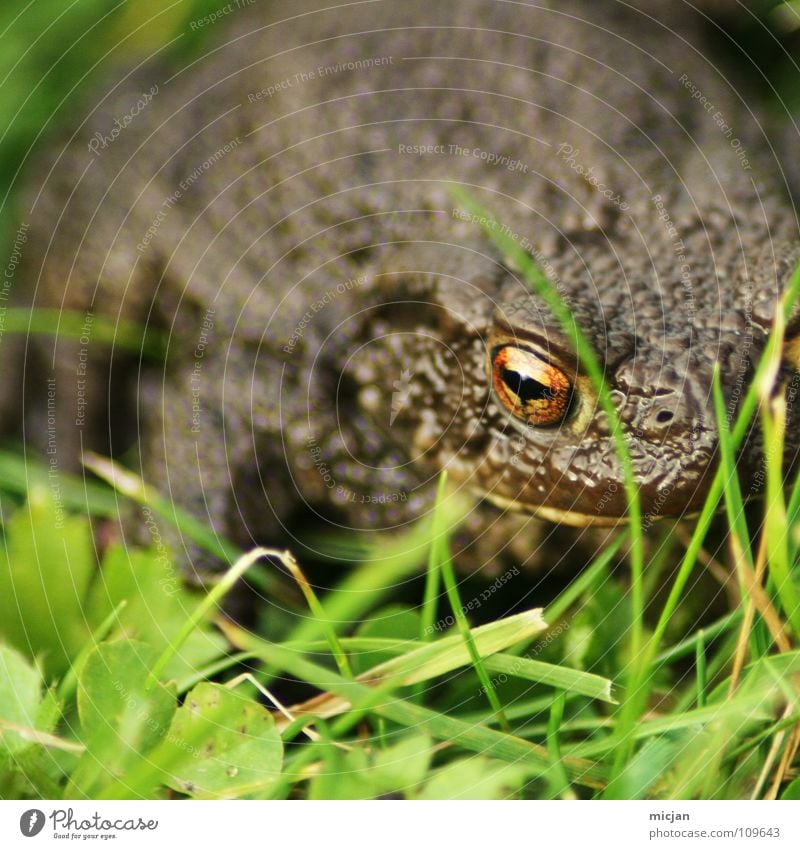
119,681
94,661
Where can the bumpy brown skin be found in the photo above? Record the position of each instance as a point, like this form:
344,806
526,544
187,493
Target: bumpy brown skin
638,178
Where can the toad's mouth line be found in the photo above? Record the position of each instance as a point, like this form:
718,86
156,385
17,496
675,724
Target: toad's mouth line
553,514
570,517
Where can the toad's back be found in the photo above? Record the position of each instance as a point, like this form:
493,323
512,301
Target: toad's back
341,329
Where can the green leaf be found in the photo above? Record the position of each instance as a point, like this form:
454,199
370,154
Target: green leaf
648,765
30,755
792,792
221,745
405,764
343,778
356,774
121,718
20,699
476,778
44,573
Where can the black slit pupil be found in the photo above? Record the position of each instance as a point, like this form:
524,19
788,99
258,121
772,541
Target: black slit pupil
526,388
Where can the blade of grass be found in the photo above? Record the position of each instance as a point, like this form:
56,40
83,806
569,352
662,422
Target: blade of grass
433,659
700,668
433,575
758,599
784,767
212,599
751,706
434,572
40,738
18,474
127,335
793,520
206,673
559,781
390,561
739,537
715,668
127,483
549,674
734,503
425,660
709,633
564,601
773,416
573,681
318,611
451,588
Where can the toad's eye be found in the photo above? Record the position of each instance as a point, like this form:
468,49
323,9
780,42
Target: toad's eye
530,387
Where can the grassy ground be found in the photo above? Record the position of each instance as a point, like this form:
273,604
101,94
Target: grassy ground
665,669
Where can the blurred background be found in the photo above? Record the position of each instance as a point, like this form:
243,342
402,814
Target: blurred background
53,53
